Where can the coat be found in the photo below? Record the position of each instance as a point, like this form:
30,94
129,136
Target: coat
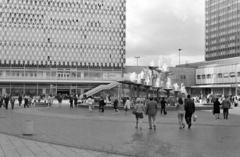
151,108
189,106
216,107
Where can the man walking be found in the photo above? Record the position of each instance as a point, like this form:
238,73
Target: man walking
190,109
226,105
163,106
151,111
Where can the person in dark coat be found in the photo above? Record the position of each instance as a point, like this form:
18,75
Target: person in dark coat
71,101
20,100
101,104
115,105
6,101
75,100
26,102
216,108
1,101
190,109
163,106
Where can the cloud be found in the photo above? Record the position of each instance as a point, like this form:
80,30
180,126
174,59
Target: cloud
162,27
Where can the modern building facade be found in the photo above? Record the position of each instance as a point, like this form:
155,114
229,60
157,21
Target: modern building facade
222,30
218,77
67,46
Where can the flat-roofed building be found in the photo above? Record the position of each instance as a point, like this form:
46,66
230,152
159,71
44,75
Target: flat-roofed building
60,46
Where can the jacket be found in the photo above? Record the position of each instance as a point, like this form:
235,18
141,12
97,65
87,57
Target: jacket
226,103
151,108
189,105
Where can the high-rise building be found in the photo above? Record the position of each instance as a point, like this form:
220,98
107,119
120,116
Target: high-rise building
222,36
78,42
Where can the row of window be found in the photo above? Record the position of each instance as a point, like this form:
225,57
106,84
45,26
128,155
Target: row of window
19,45
219,75
91,4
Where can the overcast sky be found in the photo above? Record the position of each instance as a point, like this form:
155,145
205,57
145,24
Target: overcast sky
161,27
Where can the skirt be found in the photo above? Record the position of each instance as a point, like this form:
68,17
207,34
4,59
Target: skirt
139,115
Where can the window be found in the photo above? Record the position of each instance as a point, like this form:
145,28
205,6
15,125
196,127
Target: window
203,77
238,74
226,75
183,77
219,75
232,74
198,77
209,76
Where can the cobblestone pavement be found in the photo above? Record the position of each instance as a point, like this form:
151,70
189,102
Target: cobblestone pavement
115,133
11,146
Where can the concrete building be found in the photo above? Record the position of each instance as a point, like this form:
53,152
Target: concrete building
60,46
222,29
219,77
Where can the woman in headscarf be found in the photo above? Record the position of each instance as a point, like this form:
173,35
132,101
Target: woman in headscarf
216,108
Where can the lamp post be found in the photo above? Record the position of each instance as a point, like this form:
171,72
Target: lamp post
179,55
137,59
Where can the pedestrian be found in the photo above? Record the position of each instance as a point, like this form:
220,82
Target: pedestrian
190,109
139,112
226,105
216,108
127,106
71,101
75,100
20,99
12,101
151,111
90,103
6,101
101,104
1,101
26,101
115,105
180,108
34,100
59,98
163,106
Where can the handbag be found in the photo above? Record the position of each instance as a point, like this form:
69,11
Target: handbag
134,111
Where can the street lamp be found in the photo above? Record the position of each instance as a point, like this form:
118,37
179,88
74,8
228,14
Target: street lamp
137,59
179,55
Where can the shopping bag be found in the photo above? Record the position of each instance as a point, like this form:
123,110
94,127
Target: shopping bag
194,118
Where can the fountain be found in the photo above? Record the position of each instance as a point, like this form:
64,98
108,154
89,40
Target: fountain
176,90
168,87
183,89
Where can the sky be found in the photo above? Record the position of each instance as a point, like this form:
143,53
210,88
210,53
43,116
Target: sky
162,27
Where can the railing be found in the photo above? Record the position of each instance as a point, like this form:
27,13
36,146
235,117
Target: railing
101,87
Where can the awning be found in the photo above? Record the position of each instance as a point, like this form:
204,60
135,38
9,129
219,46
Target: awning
216,86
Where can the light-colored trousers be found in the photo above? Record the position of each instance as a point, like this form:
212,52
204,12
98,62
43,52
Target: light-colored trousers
152,119
180,119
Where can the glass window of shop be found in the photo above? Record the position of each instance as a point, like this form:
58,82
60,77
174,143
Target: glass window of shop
17,89
31,89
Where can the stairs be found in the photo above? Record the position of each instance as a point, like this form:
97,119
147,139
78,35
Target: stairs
100,88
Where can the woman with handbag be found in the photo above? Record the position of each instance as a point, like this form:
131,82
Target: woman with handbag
139,110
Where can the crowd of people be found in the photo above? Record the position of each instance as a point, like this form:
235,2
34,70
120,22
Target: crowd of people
185,106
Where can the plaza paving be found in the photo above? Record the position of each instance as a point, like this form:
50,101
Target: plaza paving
106,134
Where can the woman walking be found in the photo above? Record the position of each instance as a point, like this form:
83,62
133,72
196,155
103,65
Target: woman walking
216,108
139,112
90,102
180,108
